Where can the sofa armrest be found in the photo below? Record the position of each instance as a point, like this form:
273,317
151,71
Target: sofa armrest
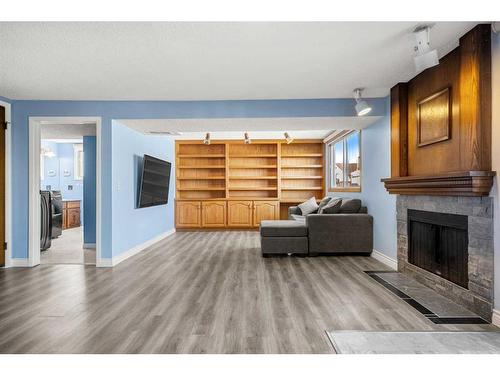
293,210
340,233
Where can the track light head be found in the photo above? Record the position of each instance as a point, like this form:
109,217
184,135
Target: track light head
425,58
362,107
206,141
247,139
288,138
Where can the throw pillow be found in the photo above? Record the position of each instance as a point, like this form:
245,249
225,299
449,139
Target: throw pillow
309,206
332,207
350,206
323,203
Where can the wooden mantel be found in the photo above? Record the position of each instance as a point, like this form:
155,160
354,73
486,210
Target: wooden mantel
441,124
472,183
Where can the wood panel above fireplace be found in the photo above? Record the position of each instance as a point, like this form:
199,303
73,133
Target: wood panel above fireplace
441,124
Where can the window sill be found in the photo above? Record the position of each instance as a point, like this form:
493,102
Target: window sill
346,190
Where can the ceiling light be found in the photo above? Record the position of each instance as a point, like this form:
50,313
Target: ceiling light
288,138
362,107
206,141
247,139
425,58
47,152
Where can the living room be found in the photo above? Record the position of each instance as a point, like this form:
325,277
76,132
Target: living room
259,187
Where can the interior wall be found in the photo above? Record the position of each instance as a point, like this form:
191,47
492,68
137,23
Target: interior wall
376,164
134,226
495,160
62,164
22,110
89,190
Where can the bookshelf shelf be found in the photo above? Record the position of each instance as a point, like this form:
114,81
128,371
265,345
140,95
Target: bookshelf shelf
230,179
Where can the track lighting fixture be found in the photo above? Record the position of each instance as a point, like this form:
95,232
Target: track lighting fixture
247,139
425,58
362,107
206,141
288,138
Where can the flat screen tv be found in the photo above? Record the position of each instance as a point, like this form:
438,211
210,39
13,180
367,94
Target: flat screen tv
155,181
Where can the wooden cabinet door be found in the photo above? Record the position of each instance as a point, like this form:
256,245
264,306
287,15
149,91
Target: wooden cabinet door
239,213
213,214
188,214
73,217
265,210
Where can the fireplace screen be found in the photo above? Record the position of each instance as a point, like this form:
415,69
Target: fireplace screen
438,243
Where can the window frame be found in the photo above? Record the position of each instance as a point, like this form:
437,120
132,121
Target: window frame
78,169
330,153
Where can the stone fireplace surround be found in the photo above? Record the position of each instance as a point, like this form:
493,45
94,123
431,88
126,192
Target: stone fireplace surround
478,297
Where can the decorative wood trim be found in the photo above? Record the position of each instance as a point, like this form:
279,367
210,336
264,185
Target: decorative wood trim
475,98
471,183
446,136
462,165
399,130
356,189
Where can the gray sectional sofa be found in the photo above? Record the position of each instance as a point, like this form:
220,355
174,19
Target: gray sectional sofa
319,233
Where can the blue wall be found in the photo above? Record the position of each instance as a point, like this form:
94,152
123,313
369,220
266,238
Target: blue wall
63,161
89,189
376,164
133,226
66,164
109,110
50,164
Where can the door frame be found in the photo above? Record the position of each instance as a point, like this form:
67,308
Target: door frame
35,124
7,187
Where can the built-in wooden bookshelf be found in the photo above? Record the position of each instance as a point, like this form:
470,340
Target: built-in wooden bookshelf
253,170
251,182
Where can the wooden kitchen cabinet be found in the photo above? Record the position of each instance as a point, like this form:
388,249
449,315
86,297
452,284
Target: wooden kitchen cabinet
188,214
265,210
239,213
213,214
71,214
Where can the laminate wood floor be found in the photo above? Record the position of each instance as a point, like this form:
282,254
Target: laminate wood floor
199,292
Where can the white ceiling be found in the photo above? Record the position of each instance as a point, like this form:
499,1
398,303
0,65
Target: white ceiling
259,128
60,131
209,61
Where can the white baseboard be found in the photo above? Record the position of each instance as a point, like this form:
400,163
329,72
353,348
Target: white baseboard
388,261
104,262
89,246
137,249
495,318
17,262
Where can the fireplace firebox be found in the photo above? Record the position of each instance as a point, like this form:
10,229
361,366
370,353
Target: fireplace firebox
438,243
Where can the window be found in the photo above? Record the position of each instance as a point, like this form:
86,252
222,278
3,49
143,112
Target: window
344,155
78,161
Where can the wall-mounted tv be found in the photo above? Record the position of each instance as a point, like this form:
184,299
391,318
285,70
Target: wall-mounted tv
154,183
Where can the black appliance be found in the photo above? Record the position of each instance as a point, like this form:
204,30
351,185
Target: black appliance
57,213
154,183
45,220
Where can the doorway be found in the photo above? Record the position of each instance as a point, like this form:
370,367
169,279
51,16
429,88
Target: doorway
64,191
2,186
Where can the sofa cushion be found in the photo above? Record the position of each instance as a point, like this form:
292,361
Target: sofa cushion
282,228
332,207
309,206
298,218
350,206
